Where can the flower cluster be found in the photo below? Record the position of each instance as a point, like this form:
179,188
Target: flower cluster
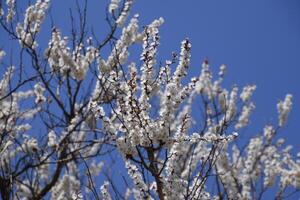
11,10
38,91
65,189
10,110
262,158
176,135
52,139
63,61
244,117
120,52
247,92
104,191
114,4
140,135
125,12
138,180
2,54
284,107
14,125
34,16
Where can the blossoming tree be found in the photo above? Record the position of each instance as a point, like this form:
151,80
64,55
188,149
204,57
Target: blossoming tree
65,108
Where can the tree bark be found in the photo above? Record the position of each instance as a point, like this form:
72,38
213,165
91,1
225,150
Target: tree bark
4,188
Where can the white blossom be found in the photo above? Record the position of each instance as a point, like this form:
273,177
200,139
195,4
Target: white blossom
31,145
64,189
269,132
2,54
244,117
95,168
138,180
61,60
1,12
125,12
38,91
222,70
34,16
176,135
11,10
184,61
114,4
284,108
247,92
104,191
52,139
231,108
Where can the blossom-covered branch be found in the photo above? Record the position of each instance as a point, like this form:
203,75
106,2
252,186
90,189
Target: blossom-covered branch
76,112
